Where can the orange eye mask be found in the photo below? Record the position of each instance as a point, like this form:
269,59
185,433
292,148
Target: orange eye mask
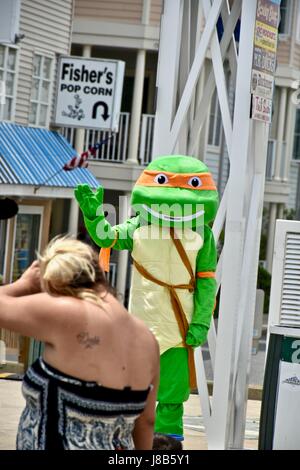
196,181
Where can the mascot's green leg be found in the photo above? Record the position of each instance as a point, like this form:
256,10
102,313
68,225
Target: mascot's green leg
173,391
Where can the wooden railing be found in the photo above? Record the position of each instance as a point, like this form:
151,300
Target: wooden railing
115,146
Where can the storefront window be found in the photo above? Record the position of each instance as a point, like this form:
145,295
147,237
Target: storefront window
215,122
8,61
40,91
26,242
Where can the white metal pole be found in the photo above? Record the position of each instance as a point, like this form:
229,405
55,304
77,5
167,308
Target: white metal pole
136,111
73,218
271,234
281,211
280,133
246,308
138,90
193,77
234,236
289,135
124,209
167,75
80,133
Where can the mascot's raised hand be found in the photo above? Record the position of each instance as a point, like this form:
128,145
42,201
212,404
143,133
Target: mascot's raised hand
90,203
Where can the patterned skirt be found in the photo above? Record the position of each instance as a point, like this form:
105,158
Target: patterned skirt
63,412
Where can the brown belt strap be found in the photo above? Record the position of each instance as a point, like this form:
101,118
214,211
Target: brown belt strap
179,314
182,253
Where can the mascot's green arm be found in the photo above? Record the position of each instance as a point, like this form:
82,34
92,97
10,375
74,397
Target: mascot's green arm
104,235
120,237
205,292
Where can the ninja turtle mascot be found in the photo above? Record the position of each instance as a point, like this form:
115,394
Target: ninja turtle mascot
174,261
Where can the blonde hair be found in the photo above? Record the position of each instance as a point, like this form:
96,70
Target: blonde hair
70,267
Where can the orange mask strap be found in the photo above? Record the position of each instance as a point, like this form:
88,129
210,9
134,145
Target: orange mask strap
104,255
177,180
206,274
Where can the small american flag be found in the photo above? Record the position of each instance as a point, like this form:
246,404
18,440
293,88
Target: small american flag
77,162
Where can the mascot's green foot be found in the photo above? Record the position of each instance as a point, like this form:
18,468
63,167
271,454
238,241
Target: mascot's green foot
169,420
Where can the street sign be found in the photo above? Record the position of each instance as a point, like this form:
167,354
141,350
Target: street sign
89,93
261,108
264,58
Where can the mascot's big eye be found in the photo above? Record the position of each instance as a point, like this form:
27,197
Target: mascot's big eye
161,179
195,182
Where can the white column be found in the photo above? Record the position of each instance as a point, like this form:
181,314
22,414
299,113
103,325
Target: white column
280,132
73,218
281,211
290,128
271,233
79,136
146,12
79,147
136,110
124,205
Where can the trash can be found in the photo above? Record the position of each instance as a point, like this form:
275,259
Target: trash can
280,416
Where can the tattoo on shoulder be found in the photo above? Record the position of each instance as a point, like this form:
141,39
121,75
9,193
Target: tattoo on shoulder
86,340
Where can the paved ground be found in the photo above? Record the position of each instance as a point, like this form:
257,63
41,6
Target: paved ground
11,405
194,430
257,361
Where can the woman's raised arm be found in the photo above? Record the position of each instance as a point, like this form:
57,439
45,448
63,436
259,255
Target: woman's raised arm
25,310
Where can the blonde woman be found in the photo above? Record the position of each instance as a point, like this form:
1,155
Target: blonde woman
95,386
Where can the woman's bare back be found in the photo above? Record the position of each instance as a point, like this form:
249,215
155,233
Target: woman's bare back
106,345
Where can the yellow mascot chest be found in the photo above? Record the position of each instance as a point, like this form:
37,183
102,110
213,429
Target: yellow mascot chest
155,251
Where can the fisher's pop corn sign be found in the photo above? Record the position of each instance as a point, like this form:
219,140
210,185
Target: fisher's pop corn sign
89,93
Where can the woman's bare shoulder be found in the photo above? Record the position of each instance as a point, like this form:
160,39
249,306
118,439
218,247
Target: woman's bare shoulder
137,327
144,333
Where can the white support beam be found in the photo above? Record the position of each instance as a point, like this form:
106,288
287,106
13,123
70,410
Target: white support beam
80,132
210,84
242,202
184,68
217,61
167,75
234,235
194,73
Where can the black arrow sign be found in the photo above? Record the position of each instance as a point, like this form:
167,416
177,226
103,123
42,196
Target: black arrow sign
105,114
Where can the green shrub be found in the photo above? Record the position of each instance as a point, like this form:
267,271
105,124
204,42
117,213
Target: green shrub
264,283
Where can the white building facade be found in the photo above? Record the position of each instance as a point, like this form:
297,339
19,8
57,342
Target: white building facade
129,30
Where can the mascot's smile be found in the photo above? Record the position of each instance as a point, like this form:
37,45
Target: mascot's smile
185,218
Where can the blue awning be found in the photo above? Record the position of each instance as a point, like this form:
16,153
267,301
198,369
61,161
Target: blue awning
29,156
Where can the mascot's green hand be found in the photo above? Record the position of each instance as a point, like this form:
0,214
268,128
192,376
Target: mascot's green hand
89,202
196,335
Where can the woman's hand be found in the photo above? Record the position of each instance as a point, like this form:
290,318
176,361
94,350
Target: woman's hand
29,283
31,279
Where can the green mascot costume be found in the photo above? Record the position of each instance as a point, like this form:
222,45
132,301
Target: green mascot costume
174,261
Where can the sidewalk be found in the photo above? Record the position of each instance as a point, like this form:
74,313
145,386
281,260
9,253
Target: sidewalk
194,430
12,403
